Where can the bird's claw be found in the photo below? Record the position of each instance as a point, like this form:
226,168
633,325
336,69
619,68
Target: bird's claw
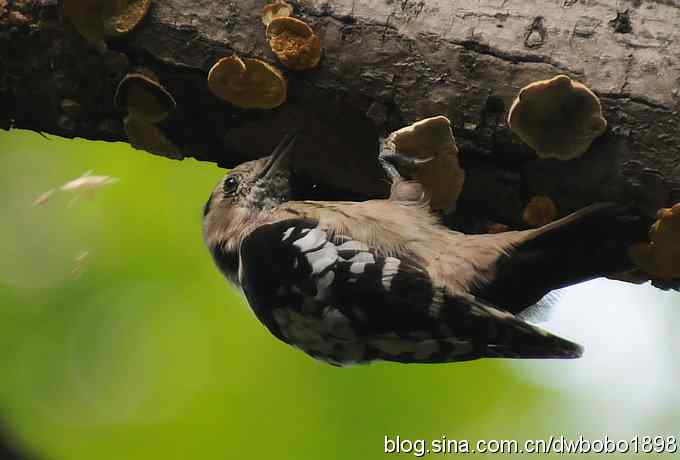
393,161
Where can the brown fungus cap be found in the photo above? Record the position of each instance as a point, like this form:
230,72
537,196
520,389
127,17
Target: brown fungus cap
661,257
147,136
666,230
294,43
144,97
540,210
97,19
441,177
126,15
87,16
247,83
558,118
278,9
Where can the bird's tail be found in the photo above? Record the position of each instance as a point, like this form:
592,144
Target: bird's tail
587,244
512,337
593,241
477,329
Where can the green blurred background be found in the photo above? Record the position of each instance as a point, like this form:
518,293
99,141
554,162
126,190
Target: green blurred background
146,353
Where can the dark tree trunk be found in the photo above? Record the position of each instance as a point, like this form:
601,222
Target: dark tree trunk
386,63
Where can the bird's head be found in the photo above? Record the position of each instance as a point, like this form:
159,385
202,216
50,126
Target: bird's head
246,194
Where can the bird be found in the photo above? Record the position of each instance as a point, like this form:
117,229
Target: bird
354,282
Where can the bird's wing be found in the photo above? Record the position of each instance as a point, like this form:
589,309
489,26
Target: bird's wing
338,300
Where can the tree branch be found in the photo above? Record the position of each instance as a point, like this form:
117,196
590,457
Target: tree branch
386,64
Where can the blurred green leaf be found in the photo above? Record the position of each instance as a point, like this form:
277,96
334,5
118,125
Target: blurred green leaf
147,353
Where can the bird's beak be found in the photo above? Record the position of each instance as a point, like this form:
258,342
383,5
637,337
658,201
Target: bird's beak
281,158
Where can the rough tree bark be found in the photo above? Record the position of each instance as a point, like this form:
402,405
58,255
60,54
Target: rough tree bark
386,63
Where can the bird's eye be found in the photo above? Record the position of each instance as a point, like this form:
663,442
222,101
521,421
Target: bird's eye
230,184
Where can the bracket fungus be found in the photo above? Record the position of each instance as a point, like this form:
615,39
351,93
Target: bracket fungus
661,257
143,96
147,136
97,19
558,118
431,143
540,210
147,103
247,83
278,9
294,43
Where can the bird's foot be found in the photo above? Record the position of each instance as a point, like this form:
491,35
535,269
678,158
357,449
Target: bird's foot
393,161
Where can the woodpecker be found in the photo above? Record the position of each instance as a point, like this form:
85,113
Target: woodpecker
354,282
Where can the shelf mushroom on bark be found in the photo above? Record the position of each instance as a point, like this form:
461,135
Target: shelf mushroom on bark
558,118
432,150
247,83
148,104
540,210
278,9
294,43
660,258
96,20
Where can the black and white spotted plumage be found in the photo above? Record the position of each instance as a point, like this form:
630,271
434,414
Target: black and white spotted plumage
340,301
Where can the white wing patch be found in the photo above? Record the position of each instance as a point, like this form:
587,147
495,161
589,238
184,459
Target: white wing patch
363,257
322,255
353,245
390,269
312,240
357,268
287,233
322,258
